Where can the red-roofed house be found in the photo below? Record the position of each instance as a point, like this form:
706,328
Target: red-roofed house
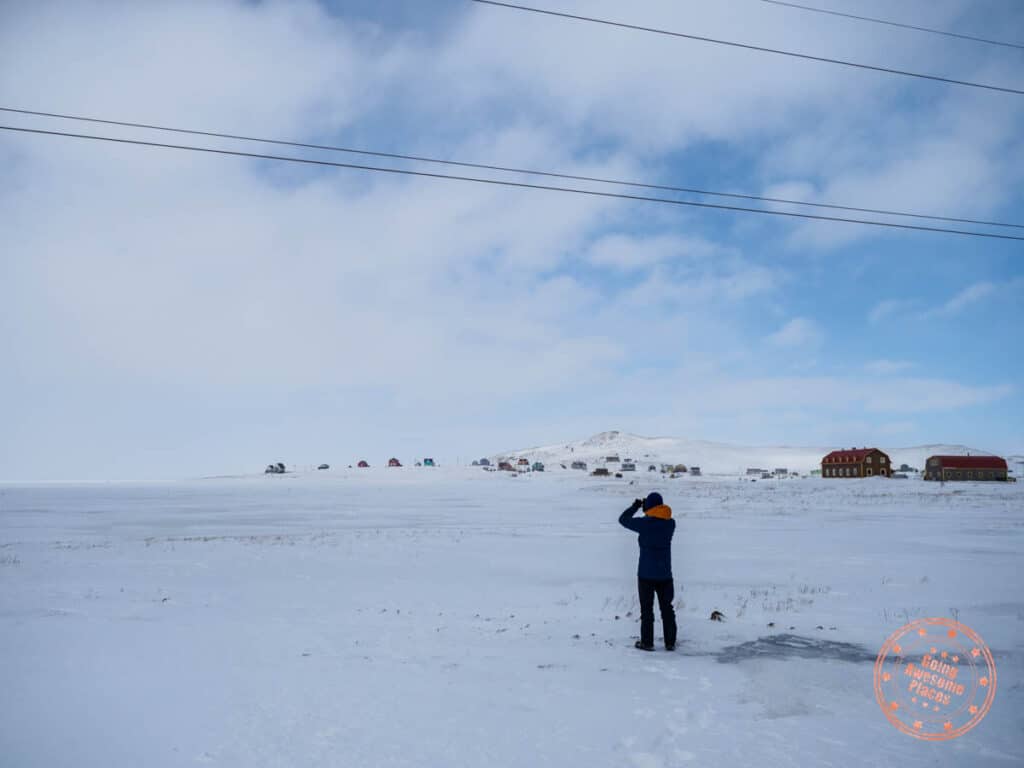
965,468
856,462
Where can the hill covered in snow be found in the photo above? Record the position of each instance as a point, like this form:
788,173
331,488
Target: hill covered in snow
712,457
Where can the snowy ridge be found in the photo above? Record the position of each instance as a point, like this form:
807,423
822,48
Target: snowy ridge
712,457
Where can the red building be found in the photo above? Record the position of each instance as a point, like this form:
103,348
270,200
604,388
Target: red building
965,468
394,463
856,462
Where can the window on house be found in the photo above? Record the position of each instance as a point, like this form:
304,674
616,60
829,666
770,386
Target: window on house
869,459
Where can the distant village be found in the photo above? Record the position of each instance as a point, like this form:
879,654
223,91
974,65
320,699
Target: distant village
840,464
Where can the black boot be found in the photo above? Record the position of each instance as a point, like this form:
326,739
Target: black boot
643,647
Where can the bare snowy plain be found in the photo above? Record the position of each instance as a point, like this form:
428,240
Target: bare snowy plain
455,617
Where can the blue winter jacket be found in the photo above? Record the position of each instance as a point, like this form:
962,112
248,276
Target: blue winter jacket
655,543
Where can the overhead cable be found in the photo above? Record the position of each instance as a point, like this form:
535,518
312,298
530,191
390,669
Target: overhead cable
515,184
508,169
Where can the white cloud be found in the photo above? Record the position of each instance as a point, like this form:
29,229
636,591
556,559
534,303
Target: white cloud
630,252
214,308
969,295
885,367
888,308
799,332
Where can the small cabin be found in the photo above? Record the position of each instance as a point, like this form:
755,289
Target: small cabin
628,466
485,462
394,463
537,466
363,465
600,472
506,466
274,469
613,459
579,465
429,463
694,471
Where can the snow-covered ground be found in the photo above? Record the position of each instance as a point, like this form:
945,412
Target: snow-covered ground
454,617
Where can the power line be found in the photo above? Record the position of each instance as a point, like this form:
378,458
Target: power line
895,24
516,184
747,46
507,169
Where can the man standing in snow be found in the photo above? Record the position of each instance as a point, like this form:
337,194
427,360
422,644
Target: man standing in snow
654,573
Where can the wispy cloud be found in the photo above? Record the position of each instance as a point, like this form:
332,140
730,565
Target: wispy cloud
972,294
884,367
889,308
798,332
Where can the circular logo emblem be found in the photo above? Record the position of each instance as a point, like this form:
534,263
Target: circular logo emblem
935,679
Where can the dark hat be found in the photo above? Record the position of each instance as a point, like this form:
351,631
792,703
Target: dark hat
653,500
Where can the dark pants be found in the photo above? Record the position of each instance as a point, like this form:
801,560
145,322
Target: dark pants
665,590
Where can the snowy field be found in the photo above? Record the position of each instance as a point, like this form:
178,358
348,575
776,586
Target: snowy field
454,617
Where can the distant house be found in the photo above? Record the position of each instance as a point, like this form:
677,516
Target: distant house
429,463
628,466
394,463
364,465
274,469
324,466
476,463
523,465
680,469
537,466
754,472
506,466
856,462
652,468
613,459
579,465
694,471
485,462
965,468
600,472
781,471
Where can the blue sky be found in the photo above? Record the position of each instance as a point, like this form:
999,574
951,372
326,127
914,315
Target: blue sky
167,314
